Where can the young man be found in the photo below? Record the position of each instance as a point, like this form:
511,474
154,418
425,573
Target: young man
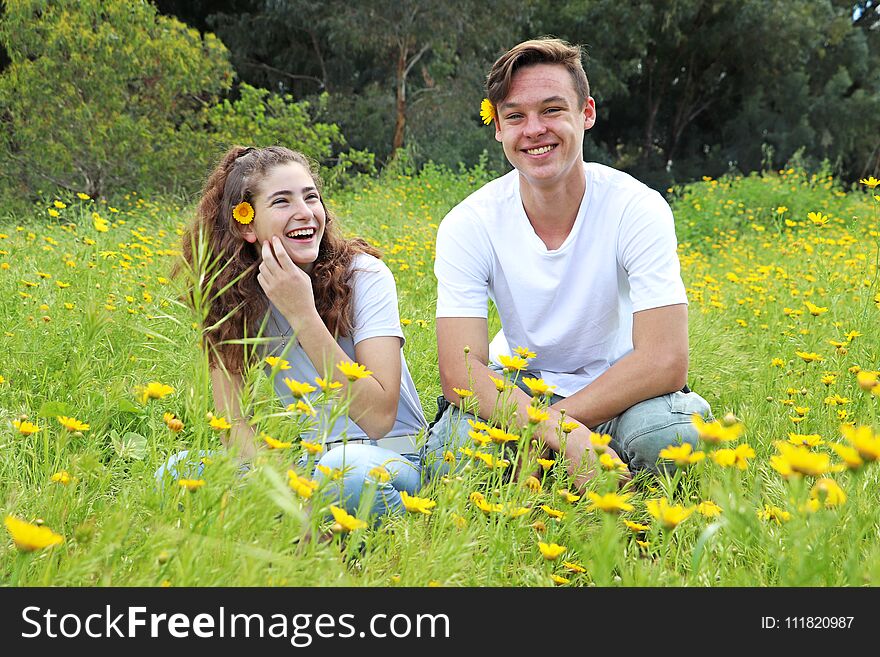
580,260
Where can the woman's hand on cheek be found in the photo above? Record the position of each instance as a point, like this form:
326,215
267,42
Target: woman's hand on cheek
287,286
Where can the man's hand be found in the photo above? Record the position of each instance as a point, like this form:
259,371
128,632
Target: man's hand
583,460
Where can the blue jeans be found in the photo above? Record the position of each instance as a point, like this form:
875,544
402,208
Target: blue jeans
637,435
355,486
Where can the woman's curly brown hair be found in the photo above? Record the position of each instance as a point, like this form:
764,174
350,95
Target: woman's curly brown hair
243,304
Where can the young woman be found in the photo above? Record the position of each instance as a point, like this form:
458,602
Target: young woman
321,300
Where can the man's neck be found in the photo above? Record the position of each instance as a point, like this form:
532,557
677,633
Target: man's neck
552,210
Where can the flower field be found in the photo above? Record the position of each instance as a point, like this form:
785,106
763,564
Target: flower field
101,378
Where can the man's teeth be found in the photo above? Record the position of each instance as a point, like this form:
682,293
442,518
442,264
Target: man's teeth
538,151
301,232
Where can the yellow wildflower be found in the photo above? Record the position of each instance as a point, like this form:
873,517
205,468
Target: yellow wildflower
243,213
192,485
28,537
537,415
871,182
635,526
670,516
379,474
550,551
546,464
533,484
353,371
417,504
849,455
774,513
154,390
865,441
809,356
72,424
538,387
805,440
708,508
500,384
513,363
715,432
815,310
867,380
346,522
800,460
682,455
277,363
463,392
610,502
333,474
61,477
568,496
479,500
559,579
828,492
328,384
599,441
275,444
608,462
553,513
25,428
524,352
487,111
573,567
219,424
301,485
312,448
297,389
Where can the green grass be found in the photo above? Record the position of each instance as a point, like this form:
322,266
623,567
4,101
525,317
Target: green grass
124,327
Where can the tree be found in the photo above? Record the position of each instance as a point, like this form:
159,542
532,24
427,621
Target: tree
96,90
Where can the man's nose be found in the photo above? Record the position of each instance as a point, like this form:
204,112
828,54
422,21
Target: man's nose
534,125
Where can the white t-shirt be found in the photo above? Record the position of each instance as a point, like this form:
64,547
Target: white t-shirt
573,305
374,314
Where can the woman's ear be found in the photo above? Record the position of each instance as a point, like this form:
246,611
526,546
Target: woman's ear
247,233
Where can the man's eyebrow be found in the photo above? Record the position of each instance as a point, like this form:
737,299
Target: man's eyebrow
546,101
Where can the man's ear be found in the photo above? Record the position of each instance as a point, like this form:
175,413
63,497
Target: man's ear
589,113
497,130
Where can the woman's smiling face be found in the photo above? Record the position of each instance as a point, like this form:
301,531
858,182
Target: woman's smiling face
287,203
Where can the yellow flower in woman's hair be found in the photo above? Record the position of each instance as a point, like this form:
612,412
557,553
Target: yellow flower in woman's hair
487,111
243,213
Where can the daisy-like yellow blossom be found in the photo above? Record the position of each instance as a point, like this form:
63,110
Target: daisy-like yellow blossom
479,438
532,483
608,462
272,443
449,457
243,213
277,363
849,455
708,508
867,380
609,502
599,441
516,512
568,496
479,500
669,515
538,387
524,352
191,485
568,426
828,492
463,392
415,504
491,461
298,389
715,432
346,522
551,551
172,422
553,513
379,474
777,362
573,567
28,537
26,428
301,485
546,464
513,363
818,218
500,384
871,182
864,440
781,209
559,579
815,310
734,457
333,474
312,448
154,390
327,385
61,477
805,440
809,356
72,424
800,460
683,455
537,415
219,424
635,526
353,371
828,379
770,512
500,436
301,407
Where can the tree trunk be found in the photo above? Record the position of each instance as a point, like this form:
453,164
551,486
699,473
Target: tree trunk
400,105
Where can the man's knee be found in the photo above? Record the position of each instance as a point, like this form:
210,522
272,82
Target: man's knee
654,424
448,434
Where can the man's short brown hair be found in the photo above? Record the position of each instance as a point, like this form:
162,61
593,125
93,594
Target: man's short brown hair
545,50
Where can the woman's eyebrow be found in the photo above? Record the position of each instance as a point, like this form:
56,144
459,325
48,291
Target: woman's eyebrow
287,192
